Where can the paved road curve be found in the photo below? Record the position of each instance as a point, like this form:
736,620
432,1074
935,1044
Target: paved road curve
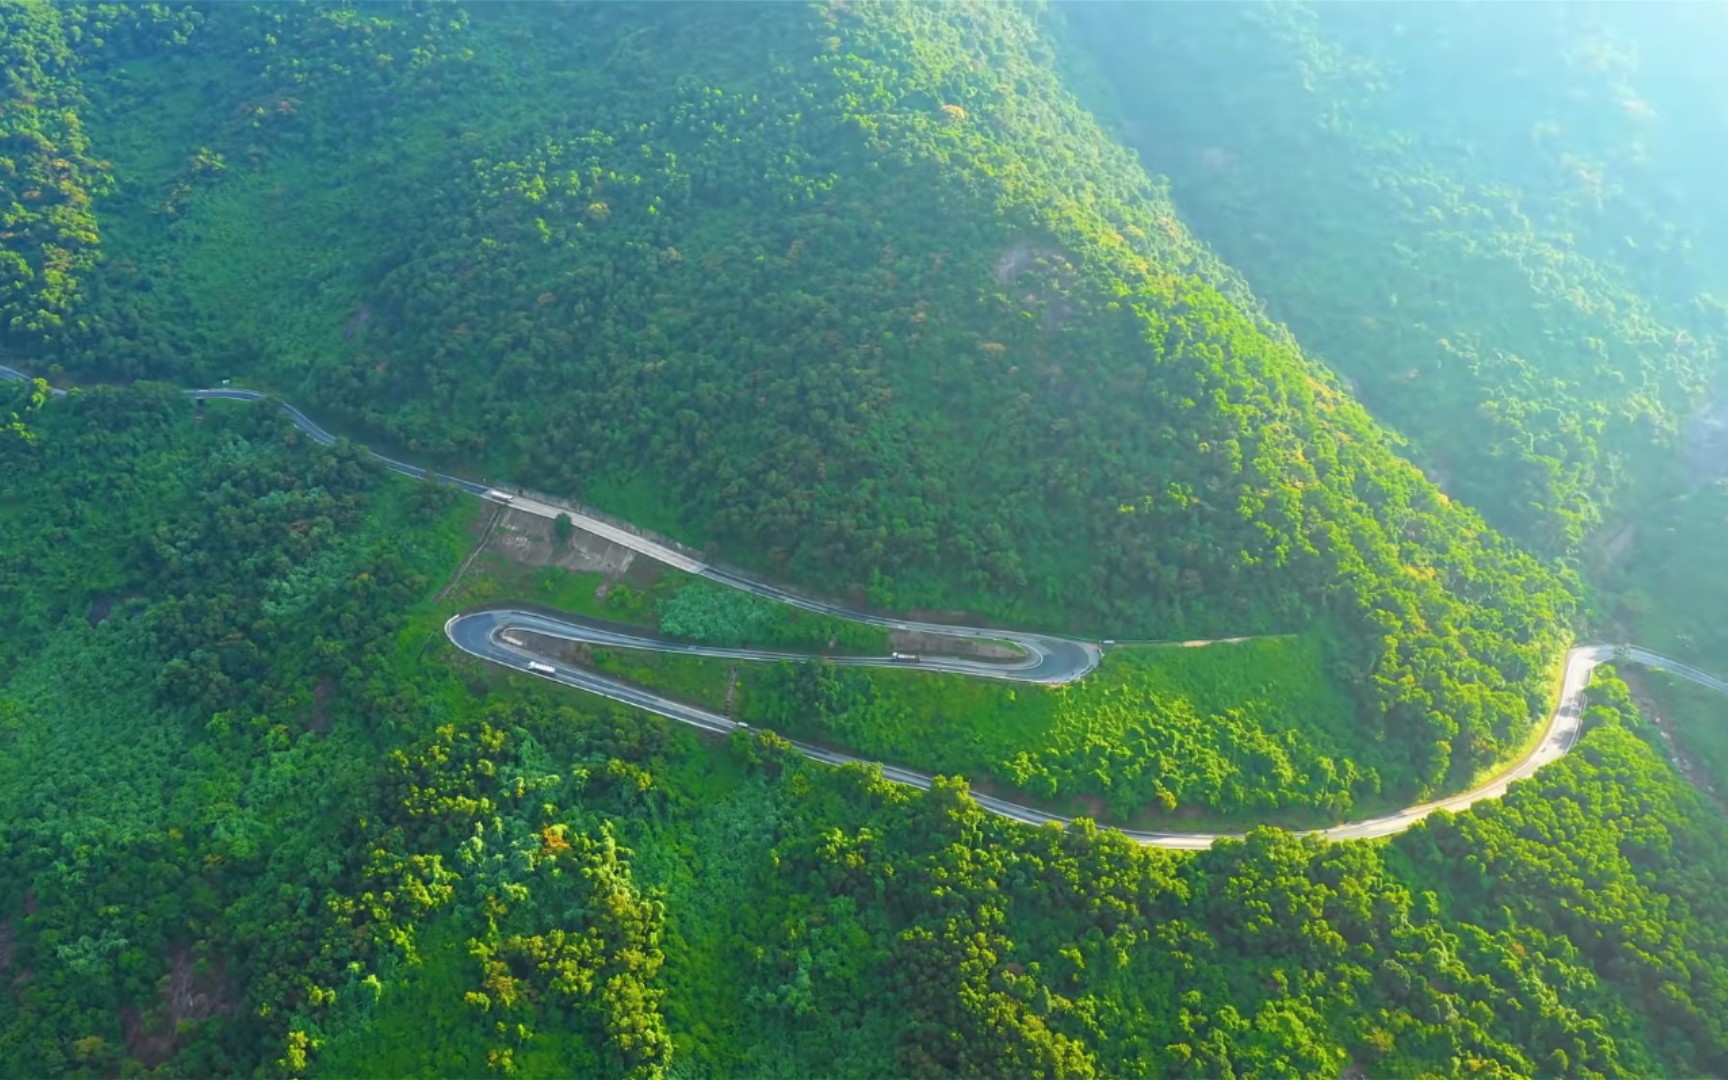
496,636
1051,659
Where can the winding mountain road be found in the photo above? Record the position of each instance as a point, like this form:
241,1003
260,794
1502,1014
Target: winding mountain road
497,636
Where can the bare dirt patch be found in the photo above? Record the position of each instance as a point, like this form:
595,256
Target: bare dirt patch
532,540
1705,449
1052,272
1687,765
1614,541
195,991
1092,806
99,610
921,642
104,606
1016,259
8,945
321,695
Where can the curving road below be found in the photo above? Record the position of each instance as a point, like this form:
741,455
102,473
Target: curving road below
1046,659
497,636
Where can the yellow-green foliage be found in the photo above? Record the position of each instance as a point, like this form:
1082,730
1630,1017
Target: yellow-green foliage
365,867
847,336
1220,729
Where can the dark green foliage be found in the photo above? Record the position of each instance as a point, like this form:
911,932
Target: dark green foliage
1442,953
194,695
171,578
51,177
397,878
717,615
829,299
1609,852
26,396
562,970
859,294
97,474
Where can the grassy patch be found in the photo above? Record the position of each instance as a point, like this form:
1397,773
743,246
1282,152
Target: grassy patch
492,579
679,605
689,678
1156,734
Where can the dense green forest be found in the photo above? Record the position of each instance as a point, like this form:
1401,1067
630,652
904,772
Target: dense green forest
370,857
823,300
1502,224
1385,336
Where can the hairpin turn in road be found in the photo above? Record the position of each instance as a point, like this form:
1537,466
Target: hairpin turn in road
1045,659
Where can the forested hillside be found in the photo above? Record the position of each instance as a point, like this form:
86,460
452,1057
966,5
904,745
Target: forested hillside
877,300
47,174
371,857
861,296
193,603
1498,221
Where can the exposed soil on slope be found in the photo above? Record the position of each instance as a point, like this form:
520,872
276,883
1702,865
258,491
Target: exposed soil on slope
917,641
1687,765
533,541
321,695
190,995
99,610
104,606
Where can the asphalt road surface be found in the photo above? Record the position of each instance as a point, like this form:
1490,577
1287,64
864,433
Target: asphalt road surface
301,421
500,637
496,636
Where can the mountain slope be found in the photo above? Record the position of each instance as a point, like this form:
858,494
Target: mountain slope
250,826
1494,220
860,295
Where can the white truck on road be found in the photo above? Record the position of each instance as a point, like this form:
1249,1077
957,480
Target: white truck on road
544,669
